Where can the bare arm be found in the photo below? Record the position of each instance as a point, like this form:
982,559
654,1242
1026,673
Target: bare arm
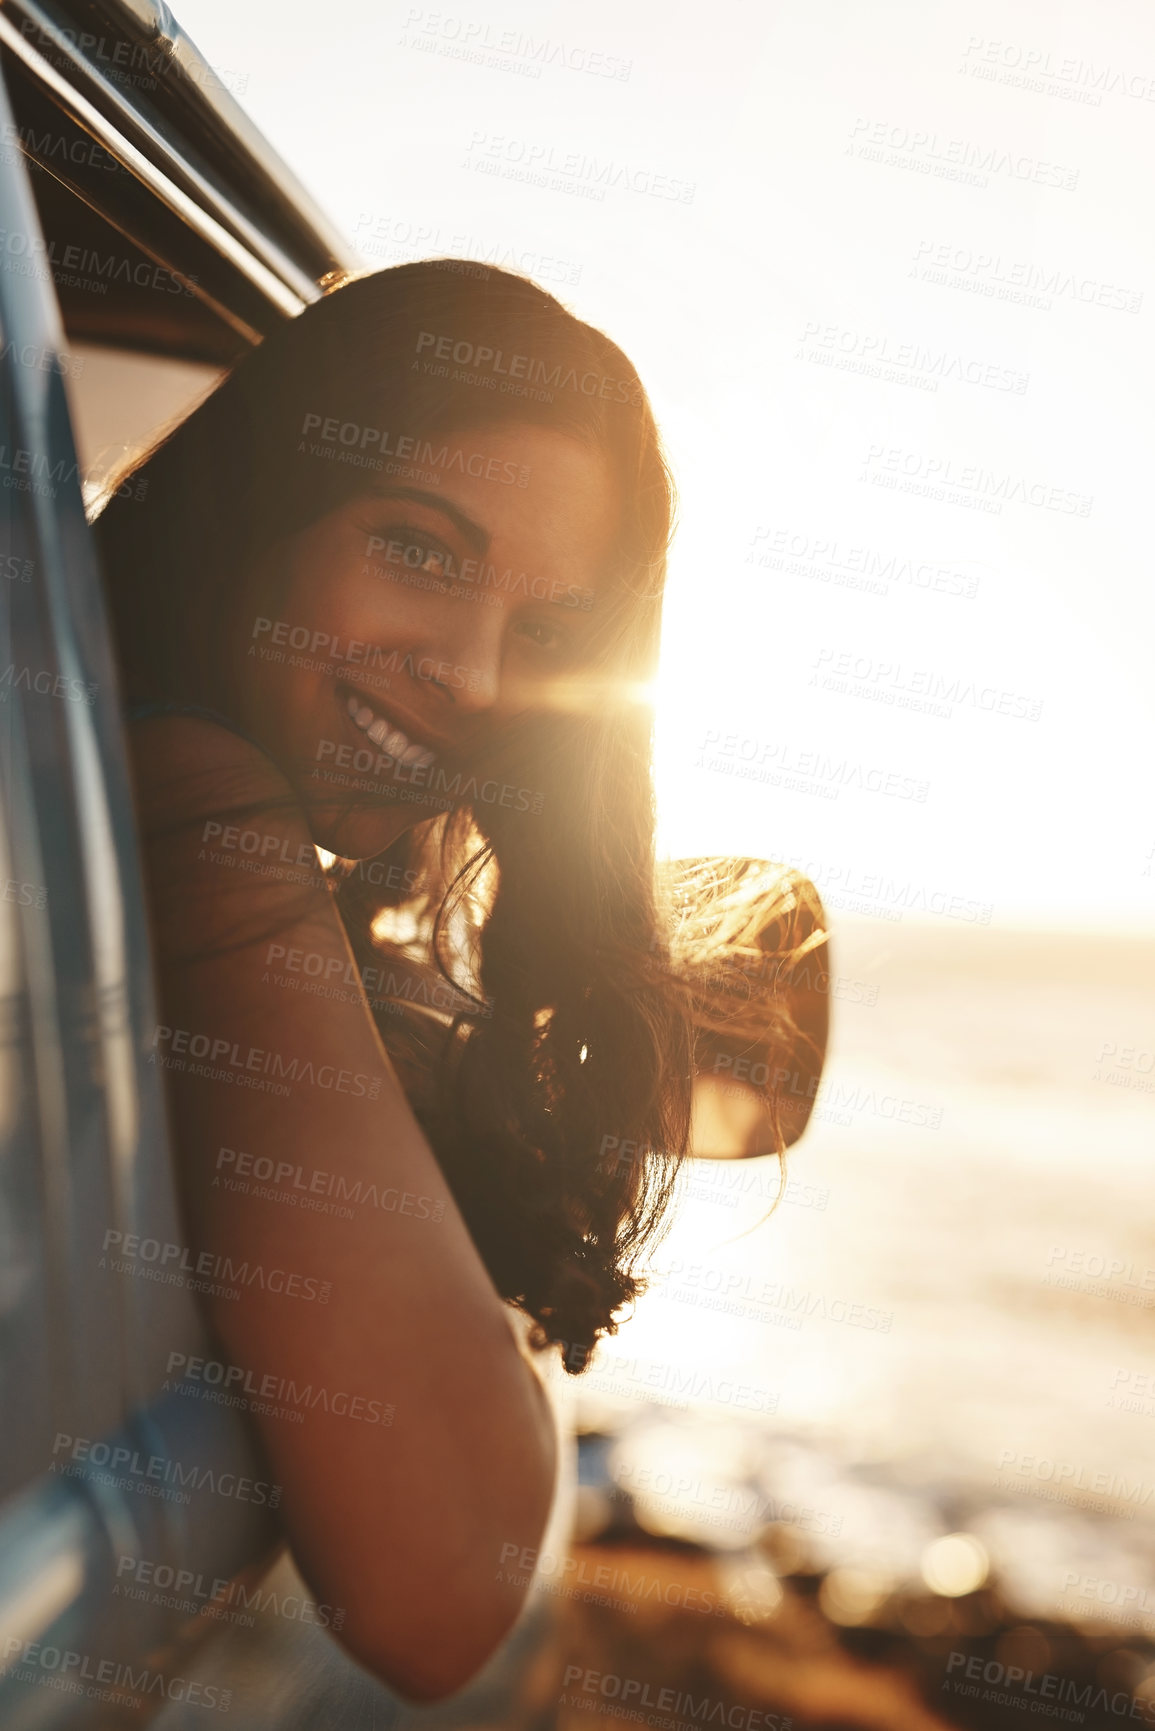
402,1523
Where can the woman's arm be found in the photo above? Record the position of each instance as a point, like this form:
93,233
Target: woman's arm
406,1524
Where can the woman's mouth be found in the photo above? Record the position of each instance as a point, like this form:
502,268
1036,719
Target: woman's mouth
386,735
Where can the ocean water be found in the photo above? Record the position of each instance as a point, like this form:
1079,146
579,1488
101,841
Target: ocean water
948,1325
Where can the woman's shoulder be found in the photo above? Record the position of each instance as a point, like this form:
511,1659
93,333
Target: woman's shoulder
182,719
142,708
189,755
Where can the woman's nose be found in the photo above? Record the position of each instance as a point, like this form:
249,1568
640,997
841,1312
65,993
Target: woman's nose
465,677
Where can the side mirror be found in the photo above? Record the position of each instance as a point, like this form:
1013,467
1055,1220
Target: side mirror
767,924
785,970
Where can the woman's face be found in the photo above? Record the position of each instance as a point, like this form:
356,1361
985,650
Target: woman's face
385,645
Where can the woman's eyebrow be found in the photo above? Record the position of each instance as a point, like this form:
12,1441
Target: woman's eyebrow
473,532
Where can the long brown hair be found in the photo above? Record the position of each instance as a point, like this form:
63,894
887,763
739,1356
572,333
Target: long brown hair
578,1031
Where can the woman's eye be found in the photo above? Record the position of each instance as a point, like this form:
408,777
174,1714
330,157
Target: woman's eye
411,549
543,635
420,555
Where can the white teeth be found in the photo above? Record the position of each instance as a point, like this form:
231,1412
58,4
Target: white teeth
389,738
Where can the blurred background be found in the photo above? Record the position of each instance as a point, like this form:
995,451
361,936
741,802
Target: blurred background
886,276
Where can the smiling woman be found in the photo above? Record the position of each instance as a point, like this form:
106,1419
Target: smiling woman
380,588
373,603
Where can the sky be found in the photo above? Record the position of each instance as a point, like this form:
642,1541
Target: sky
883,272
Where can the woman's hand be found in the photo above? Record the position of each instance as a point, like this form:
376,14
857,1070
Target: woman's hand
426,1447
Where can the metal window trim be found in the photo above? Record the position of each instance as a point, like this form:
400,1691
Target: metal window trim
287,291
